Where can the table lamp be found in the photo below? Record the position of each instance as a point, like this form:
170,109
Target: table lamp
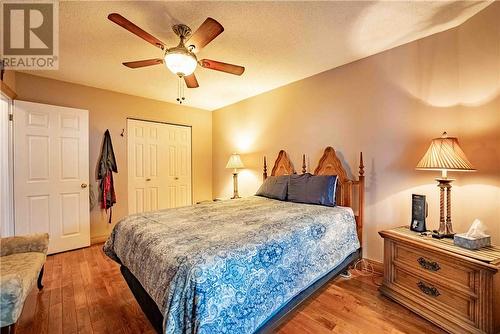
235,163
445,154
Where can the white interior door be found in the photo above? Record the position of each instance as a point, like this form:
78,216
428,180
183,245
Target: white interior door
159,166
51,174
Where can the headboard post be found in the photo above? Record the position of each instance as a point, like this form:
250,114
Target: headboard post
264,175
361,198
304,164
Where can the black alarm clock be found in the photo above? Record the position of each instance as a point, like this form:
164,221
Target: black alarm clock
418,213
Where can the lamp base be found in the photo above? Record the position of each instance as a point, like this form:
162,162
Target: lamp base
437,235
235,184
445,227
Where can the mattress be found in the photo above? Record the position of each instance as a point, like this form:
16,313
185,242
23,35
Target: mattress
229,266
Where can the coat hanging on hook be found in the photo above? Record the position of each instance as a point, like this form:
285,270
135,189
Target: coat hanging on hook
107,165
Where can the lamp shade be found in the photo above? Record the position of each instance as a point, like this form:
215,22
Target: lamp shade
234,162
445,154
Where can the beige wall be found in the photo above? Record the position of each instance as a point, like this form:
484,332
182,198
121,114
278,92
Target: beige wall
109,110
389,106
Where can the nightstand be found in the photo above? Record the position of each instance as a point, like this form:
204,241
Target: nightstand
455,288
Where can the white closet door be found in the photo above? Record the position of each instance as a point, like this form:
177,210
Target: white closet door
159,166
51,174
144,164
180,143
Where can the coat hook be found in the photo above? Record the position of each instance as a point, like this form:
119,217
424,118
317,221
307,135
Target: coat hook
123,131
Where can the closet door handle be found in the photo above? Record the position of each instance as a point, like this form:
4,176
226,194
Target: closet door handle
176,178
148,179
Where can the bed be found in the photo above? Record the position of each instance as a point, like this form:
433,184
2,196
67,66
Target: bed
238,266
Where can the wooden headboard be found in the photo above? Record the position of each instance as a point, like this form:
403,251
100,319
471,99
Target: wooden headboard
282,166
329,164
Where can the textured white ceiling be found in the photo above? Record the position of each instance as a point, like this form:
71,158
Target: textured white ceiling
277,42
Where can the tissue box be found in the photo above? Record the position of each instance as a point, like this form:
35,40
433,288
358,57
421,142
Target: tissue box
471,243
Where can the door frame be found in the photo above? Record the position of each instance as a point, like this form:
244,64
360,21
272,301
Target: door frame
167,123
7,175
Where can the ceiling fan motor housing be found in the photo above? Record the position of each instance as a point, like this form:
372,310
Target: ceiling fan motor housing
180,60
182,30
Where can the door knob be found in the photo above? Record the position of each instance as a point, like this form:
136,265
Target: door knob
148,179
176,178
83,185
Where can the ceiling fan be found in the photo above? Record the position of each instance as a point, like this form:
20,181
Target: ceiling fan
181,59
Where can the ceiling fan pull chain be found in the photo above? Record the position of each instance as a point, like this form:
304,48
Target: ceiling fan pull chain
180,90
181,83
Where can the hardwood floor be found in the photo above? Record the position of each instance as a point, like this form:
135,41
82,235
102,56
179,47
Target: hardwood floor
85,293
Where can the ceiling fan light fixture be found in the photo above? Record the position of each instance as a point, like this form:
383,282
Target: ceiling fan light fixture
180,62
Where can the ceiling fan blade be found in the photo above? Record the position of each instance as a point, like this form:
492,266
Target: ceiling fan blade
191,81
143,63
124,23
205,34
223,67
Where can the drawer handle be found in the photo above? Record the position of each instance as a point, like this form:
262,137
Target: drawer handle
428,290
429,265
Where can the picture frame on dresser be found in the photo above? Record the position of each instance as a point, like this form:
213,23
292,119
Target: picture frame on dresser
418,213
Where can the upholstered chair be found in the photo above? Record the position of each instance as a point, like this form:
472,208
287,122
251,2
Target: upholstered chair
21,265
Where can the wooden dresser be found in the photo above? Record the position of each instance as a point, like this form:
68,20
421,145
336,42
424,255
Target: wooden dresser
455,288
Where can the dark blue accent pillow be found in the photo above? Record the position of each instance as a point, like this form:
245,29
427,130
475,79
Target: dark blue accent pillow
312,189
274,187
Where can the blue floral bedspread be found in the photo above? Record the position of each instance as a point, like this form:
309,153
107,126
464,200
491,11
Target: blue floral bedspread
227,267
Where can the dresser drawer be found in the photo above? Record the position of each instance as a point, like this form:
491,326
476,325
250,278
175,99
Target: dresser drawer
437,267
435,295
